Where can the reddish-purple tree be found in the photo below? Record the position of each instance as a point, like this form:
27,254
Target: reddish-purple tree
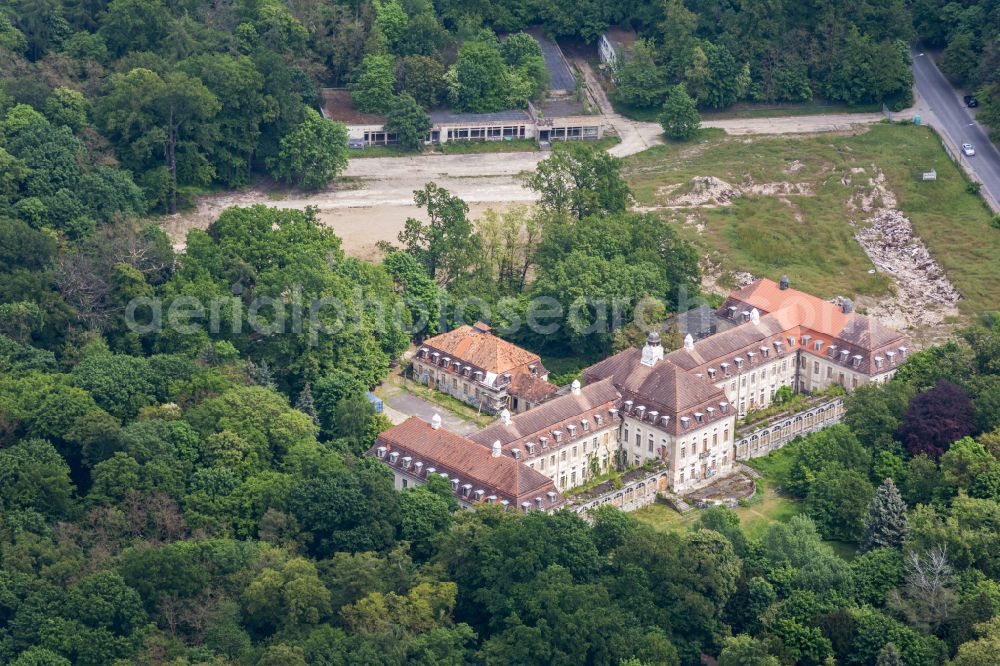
935,419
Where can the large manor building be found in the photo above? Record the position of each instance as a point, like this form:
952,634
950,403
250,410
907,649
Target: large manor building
680,408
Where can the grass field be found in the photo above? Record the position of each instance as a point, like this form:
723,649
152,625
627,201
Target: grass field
808,236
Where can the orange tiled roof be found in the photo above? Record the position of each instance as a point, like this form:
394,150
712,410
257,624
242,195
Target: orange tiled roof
478,347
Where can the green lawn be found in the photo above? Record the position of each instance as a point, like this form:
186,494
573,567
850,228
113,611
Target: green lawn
767,507
809,236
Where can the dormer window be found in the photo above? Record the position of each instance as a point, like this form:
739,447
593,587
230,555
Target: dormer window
664,420
478,374
777,345
466,489
525,506
406,462
613,412
557,435
432,470
446,361
844,354
468,371
791,342
516,453
805,340
423,352
892,357
832,350
765,352
746,315
435,356
640,410
393,457
902,352
585,424
878,362
723,406
479,495
857,360
652,416
599,419
551,495
684,421
711,373
739,362
538,502
572,430
628,406
505,504
725,368
454,485
531,448
418,467
699,417
731,310
380,452
544,442
492,499
750,356
710,410
818,345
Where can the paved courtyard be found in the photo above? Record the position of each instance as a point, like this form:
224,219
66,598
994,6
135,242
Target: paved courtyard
400,404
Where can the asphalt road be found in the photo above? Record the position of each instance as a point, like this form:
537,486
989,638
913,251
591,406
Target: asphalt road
957,123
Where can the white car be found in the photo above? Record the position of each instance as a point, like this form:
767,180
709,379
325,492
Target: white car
968,149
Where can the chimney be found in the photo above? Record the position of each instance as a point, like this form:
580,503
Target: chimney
497,449
505,417
575,387
755,317
436,421
688,343
783,283
847,306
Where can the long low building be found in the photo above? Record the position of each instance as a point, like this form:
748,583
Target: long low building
553,120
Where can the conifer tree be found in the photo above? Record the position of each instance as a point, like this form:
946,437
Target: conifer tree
885,526
305,403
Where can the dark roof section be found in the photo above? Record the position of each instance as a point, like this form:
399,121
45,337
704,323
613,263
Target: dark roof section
449,118
532,389
560,75
552,415
664,386
867,333
452,454
699,322
562,107
337,105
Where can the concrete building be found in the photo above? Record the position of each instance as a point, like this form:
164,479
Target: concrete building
482,370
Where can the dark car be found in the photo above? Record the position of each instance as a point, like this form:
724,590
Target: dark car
971,101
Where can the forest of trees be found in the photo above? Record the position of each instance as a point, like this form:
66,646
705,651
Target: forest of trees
197,493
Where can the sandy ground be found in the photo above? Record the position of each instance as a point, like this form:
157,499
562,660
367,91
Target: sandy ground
373,198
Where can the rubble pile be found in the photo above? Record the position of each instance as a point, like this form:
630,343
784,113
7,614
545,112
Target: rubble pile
706,191
924,295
